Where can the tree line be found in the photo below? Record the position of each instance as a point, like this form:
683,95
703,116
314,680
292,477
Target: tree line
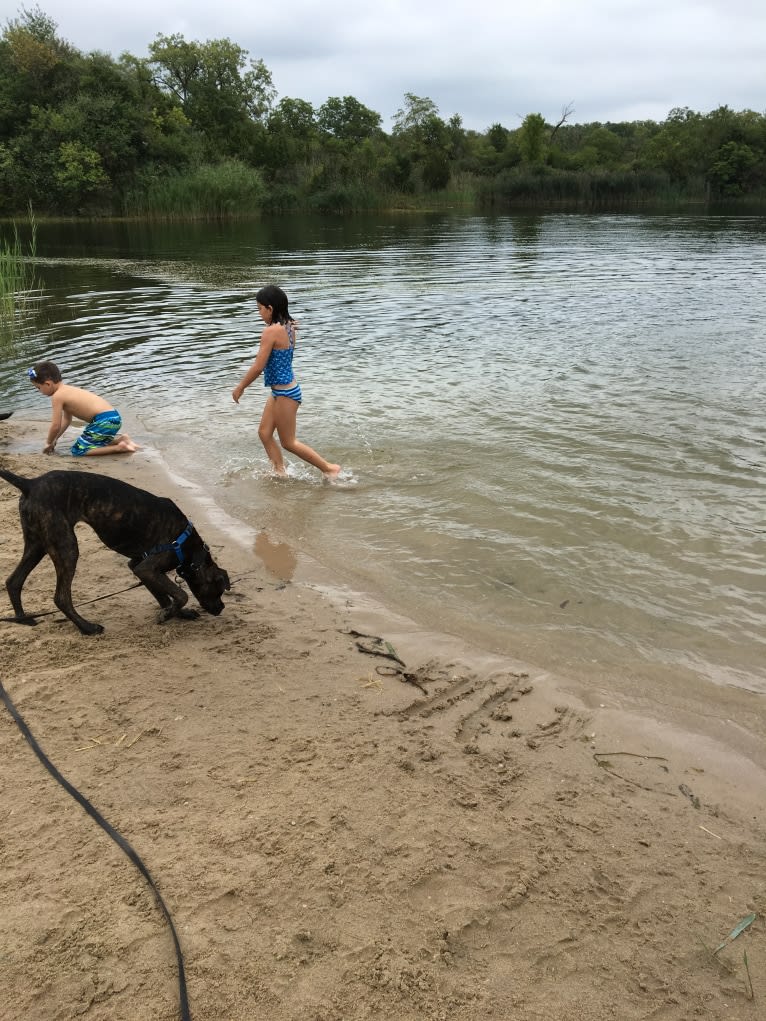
197,128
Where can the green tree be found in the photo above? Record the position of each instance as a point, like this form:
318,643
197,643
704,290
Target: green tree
350,154
76,128
422,140
531,138
35,68
223,95
497,136
79,172
291,139
678,148
734,148
415,115
348,119
295,117
600,148
731,168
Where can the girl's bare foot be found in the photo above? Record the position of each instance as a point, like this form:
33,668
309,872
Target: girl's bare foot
332,472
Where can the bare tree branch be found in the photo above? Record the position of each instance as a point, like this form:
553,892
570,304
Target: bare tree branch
566,113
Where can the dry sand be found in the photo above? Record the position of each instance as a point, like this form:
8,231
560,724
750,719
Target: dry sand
335,841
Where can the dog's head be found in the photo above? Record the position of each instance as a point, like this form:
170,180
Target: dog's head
206,579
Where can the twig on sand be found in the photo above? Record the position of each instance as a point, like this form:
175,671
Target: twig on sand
375,646
371,682
94,743
710,832
142,733
634,755
405,676
749,980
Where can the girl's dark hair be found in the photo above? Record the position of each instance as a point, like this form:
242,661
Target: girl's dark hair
275,297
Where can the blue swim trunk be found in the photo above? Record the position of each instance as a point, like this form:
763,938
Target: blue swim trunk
100,432
294,393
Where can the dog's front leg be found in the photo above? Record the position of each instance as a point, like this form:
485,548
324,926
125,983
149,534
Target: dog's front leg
171,597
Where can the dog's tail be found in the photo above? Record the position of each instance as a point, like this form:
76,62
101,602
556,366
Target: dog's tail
16,480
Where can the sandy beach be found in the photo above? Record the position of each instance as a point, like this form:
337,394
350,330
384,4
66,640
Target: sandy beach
338,837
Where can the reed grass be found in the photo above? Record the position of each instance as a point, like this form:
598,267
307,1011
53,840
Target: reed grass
224,190
542,187
18,284
344,198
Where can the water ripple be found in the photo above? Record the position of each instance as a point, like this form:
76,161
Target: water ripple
555,424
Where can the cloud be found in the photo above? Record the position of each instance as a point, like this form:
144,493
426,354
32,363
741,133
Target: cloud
487,61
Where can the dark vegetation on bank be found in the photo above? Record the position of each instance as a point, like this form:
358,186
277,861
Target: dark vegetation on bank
196,129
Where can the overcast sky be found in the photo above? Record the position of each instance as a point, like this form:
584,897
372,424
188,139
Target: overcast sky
486,60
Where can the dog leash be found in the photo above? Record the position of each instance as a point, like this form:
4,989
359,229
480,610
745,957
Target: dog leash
111,832
47,613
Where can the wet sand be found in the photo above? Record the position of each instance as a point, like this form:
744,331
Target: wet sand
340,837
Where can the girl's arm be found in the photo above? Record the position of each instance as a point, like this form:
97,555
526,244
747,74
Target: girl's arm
264,350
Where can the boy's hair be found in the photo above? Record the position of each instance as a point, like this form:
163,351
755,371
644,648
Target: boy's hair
276,298
44,371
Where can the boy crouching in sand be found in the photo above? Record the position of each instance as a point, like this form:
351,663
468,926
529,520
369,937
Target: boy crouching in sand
102,433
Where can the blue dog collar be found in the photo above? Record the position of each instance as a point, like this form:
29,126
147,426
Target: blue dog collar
176,546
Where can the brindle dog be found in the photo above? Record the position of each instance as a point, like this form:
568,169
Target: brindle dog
150,530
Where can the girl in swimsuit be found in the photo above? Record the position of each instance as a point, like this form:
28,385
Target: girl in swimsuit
275,361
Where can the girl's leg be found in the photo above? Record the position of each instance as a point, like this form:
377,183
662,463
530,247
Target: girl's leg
286,414
266,430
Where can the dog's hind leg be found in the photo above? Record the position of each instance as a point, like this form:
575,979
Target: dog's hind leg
64,552
34,552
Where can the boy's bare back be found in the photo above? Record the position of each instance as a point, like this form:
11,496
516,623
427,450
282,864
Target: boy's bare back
79,403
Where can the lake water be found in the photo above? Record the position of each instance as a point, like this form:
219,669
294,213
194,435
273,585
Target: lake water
552,427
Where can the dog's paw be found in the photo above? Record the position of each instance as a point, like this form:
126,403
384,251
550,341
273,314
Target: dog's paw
91,629
168,612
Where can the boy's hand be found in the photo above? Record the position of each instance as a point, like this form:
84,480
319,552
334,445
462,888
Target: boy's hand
236,393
